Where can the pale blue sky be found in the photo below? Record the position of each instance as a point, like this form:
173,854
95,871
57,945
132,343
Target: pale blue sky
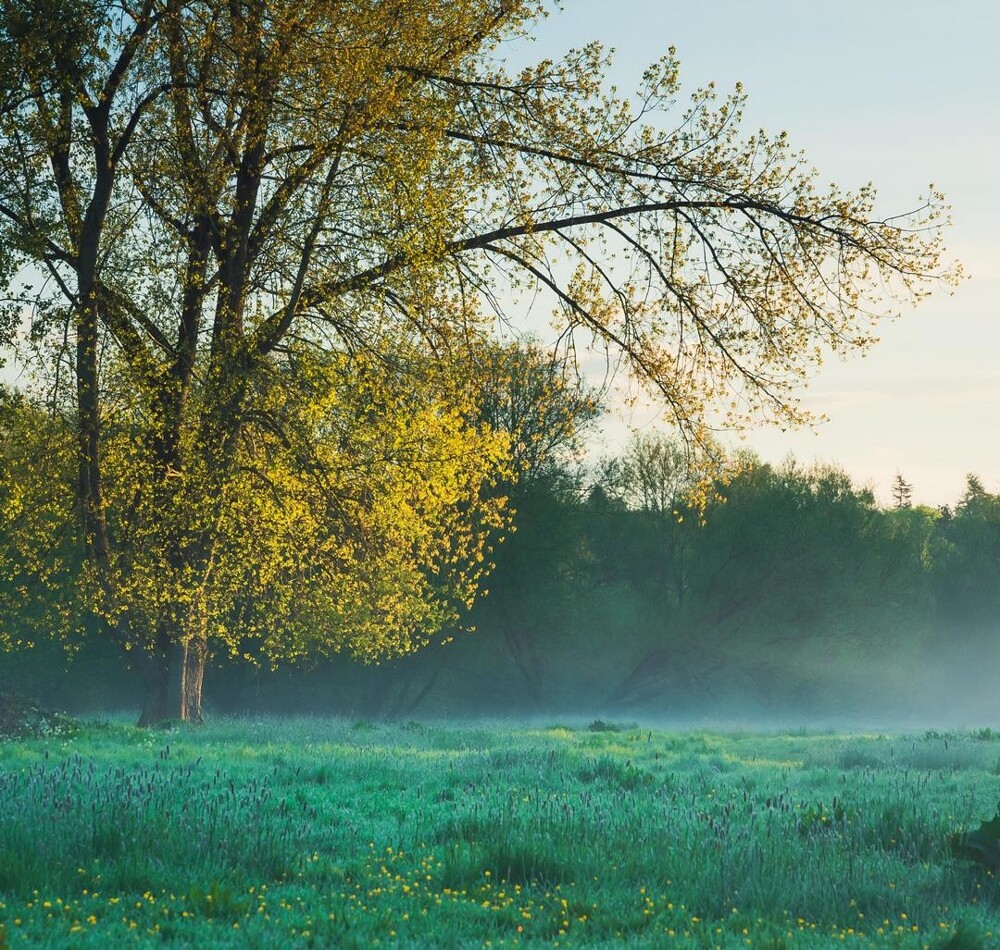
902,93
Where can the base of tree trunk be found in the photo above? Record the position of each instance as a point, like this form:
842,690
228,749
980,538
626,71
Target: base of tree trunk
193,676
174,680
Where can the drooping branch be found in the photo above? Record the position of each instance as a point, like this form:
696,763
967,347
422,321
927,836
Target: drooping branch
311,296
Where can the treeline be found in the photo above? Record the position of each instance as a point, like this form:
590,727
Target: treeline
788,589
629,589
643,584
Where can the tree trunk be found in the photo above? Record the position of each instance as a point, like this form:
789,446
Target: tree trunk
173,678
156,681
522,652
192,676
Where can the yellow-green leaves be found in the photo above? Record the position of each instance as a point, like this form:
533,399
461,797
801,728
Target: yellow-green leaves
356,513
39,543
352,513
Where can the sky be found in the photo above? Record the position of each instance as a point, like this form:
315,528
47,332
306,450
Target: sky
900,92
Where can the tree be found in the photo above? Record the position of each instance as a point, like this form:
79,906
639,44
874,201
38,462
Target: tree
545,410
788,565
653,481
656,476
354,518
538,401
203,192
902,492
967,567
39,552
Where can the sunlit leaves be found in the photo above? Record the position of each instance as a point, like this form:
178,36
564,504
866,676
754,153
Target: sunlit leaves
354,516
39,543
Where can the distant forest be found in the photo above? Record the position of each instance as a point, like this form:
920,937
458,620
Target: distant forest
624,590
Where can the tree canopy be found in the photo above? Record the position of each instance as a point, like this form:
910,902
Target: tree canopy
224,222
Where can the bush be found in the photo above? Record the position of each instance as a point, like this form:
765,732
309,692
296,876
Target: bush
22,719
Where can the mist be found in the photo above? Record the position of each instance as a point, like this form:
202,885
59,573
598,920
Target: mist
789,599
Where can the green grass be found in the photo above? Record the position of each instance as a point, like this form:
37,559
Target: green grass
327,833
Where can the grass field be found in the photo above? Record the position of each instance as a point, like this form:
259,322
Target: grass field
326,833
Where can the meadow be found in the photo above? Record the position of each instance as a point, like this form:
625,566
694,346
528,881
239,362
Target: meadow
330,833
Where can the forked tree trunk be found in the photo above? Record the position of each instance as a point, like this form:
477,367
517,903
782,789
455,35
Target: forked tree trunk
173,680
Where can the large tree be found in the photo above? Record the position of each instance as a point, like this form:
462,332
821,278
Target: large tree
204,192
356,516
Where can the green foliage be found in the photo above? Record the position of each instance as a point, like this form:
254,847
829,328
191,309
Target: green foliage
789,587
741,587
967,554
40,543
535,399
599,725
358,518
